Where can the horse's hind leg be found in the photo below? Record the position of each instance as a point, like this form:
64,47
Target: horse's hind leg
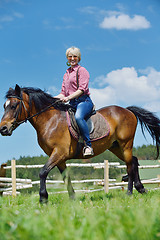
66,177
134,177
124,152
137,182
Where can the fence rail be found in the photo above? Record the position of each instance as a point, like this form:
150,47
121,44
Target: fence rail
13,184
140,167
94,165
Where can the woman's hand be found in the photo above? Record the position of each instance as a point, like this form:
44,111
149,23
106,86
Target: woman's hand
65,99
60,96
72,96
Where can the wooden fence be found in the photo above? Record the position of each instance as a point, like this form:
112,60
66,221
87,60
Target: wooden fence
11,185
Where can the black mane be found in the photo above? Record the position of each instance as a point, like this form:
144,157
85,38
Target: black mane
40,98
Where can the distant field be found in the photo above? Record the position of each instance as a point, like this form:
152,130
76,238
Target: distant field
149,173
94,216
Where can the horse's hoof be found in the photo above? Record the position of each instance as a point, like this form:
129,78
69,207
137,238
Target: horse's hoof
143,191
43,201
72,197
129,193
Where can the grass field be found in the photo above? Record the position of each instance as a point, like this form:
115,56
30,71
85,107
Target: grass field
149,173
97,216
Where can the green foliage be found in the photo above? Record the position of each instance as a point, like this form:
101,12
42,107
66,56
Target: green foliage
145,152
93,216
76,173
28,173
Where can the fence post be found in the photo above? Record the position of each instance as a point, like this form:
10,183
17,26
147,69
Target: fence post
106,176
158,176
2,174
13,173
2,170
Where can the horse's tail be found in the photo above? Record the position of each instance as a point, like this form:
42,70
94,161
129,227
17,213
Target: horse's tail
149,121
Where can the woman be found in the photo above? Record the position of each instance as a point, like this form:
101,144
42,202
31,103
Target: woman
77,93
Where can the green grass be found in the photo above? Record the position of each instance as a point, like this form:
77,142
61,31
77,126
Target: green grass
97,216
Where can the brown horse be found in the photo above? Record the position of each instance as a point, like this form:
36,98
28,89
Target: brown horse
47,116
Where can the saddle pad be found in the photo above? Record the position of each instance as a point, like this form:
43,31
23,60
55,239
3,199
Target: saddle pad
101,127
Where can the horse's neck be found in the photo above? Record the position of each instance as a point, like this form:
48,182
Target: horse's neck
47,120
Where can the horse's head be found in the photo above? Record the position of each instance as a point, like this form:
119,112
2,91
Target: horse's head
14,111
24,104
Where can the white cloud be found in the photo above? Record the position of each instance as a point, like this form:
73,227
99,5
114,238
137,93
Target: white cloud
89,10
63,24
9,18
124,87
125,22
153,106
153,76
94,47
103,97
113,19
53,90
18,15
6,18
7,61
9,1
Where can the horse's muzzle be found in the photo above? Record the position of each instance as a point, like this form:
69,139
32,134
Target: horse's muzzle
5,131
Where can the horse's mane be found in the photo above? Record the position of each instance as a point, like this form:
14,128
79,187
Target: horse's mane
41,99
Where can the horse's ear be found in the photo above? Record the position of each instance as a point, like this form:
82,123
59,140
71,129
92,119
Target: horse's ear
17,90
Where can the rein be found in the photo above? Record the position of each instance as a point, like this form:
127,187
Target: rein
43,110
15,123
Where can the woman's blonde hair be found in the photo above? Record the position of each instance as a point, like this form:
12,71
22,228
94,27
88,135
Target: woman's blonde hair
75,51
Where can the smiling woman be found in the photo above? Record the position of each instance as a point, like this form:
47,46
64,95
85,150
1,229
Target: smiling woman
75,89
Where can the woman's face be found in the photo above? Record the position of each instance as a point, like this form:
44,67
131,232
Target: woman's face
72,59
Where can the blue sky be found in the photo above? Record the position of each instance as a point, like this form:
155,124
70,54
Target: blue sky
120,46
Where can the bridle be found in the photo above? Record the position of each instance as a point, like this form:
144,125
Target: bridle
28,116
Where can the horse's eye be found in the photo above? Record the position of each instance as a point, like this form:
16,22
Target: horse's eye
14,106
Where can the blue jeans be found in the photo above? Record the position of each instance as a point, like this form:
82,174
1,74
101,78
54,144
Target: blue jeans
83,106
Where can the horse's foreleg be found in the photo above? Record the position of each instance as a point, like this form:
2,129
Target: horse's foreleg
54,159
66,177
43,191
